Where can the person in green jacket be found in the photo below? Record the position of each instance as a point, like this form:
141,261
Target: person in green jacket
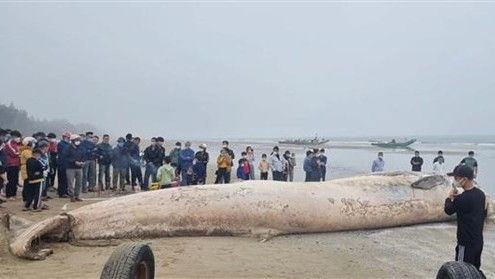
166,174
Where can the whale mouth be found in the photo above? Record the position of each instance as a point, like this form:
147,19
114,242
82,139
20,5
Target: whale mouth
429,182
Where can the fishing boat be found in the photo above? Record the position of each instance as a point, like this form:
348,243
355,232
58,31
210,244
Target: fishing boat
394,144
312,142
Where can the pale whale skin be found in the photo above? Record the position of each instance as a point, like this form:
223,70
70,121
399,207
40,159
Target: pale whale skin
256,208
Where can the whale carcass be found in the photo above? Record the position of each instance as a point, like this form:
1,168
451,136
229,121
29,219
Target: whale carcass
255,208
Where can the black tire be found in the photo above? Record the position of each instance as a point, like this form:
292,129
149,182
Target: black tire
458,270
130,261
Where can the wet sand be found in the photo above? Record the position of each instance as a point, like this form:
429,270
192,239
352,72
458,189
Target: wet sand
407,252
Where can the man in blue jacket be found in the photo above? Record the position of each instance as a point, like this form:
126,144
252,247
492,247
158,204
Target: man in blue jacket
120,162
186,157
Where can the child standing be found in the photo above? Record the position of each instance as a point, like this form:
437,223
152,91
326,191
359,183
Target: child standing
35,179
264,167
241,170
166,174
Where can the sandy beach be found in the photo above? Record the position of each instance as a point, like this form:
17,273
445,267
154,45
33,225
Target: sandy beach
406,252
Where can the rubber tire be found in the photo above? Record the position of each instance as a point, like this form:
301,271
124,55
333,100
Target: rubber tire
458,270
128,260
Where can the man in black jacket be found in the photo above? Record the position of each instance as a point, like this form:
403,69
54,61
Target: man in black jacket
416,162
153,157
104,153
470,209
135,162
74,161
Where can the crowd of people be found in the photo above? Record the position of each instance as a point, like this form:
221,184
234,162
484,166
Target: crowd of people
81,163
417,162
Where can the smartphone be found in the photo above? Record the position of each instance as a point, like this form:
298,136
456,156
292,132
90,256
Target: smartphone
455,188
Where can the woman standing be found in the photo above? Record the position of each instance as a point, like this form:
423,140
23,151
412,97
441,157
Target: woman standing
250,159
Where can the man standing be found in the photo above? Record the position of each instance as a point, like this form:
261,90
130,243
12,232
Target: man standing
308,166
74,162
323,165
416,162
378,164
61,166
120,162
186,157
153,159
470,209
202,157
104,153
174,155
135,161
89,170
439,157
471,162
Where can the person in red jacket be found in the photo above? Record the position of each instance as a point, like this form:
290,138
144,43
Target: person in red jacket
13,164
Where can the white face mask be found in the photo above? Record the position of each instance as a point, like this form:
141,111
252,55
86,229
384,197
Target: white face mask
18,140
77,143
380,157
457,184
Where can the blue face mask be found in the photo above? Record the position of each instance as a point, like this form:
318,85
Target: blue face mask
120,144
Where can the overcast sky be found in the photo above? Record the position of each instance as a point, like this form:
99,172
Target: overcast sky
215,70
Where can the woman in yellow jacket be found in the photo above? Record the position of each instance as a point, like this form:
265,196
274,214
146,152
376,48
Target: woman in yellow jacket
224,164
26,152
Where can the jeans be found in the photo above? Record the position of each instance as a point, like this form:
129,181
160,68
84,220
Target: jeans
104,171
278,176
152,170
13,178
136,174
89,175
119,175
323,173
62,181
222,176
74,181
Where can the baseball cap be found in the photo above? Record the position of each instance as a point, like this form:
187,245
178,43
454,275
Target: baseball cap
462,171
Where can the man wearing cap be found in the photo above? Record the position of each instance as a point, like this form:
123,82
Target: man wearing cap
470,209
61,166
74,162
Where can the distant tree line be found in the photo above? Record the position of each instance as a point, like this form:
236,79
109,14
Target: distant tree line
17,119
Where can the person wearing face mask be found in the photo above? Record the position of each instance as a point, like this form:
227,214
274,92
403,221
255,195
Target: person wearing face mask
202,157
277,164
26,152
469,206
52,152
61,165
416,162
89,169
153,158
120,162
74,157
186,157
13,164
174,156
104,154
378,164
